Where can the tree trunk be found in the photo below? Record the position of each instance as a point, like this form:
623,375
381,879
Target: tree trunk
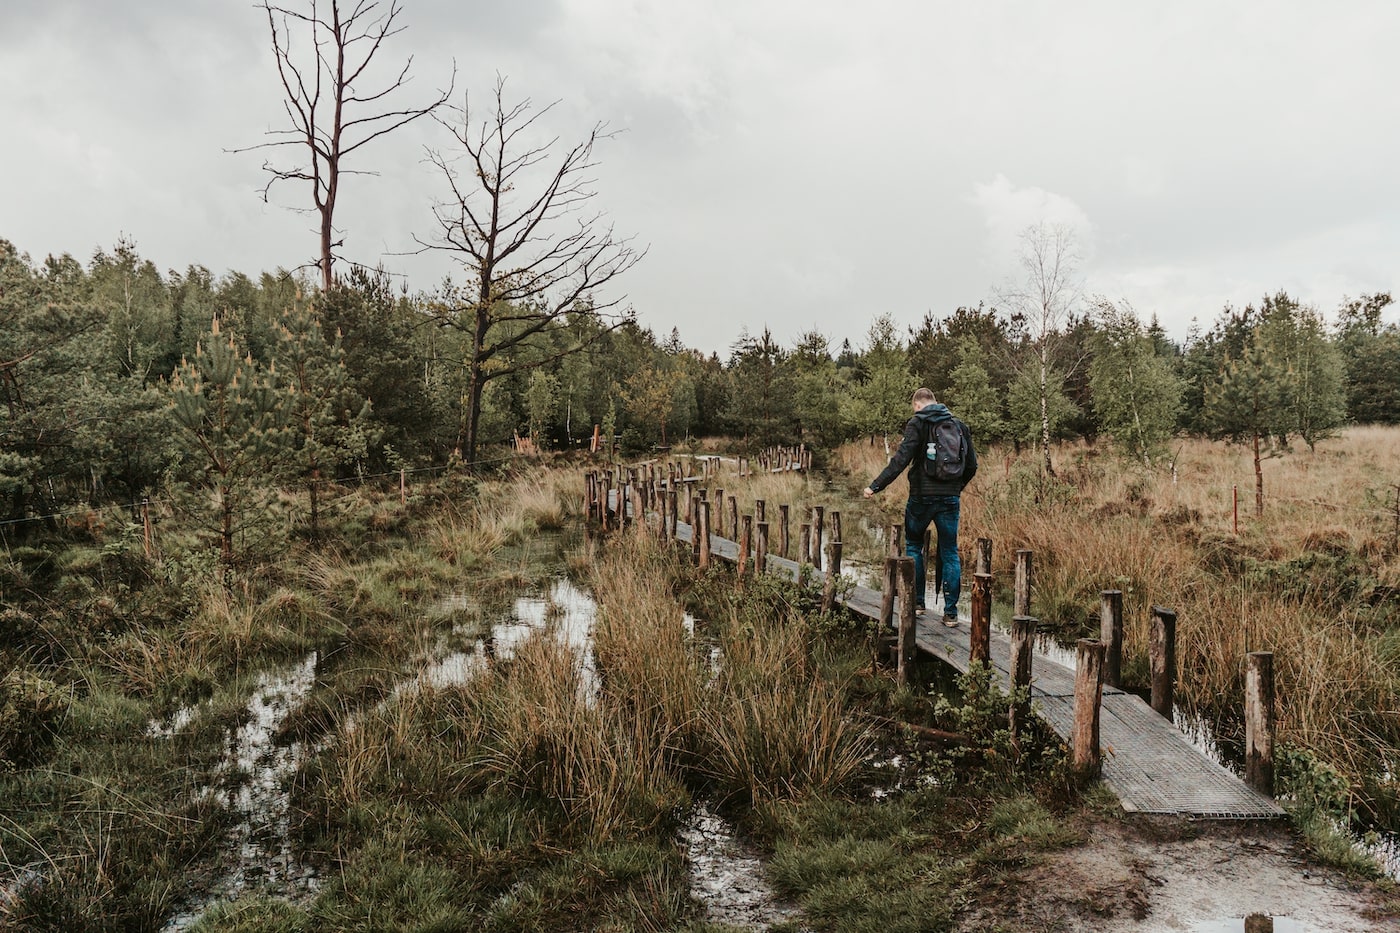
1258,479
1045,407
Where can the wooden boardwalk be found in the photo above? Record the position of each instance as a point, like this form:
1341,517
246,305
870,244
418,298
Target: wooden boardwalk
1147,761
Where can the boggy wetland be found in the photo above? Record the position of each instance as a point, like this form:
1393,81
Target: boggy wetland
454,709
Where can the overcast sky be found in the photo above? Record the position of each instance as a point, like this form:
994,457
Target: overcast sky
789,163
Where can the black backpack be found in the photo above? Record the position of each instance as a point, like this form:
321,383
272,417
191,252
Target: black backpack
945,455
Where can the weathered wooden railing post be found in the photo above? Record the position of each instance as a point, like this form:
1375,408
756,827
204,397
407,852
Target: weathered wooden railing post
818,524
745,537
1088,693
695,505
639,512
704,535
734,515
760,510
1162,654
984,555
1259,721
1111,634
804,544
896,550
784,542
607,499
833,572
889,583
673,507
1021,605
833,521
906,620
760,551
719,512
590,495
1022,651
980,640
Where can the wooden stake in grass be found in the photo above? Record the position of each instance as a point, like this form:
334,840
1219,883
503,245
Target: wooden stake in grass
745,537
1162,654
760,558
719,512
784,544
639,514
1021,606
704,535
833,563
760,510
980,639
890,582
804,544
1022,651
818,524
734,515
1111,634
1259,721
1088,693
907,644
673,506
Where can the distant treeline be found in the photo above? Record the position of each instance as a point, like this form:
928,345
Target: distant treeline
118,381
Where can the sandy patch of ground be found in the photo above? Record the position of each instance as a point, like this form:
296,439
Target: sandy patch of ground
1156,874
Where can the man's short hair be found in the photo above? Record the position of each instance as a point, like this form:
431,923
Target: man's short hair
924,395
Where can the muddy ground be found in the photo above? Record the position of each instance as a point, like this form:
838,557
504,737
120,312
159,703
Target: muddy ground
1148,874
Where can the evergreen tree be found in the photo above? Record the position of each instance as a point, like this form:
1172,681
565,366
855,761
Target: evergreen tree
1247,403
1136,392
878,403
1313,388
1370,351
234,416
971,395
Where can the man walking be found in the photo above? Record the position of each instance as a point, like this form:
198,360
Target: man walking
937,449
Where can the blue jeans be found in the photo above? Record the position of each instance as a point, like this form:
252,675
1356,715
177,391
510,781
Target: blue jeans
942,513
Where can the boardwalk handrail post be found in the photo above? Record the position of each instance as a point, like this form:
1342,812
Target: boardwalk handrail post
760,550
1022,653
734,515
833,563
745,538
1111,634
1259,721
695,505
1088,694
673,507
1163,658
804,544
818,523
907,645
984,555
639,512
895,549
607,499
704,535
980,639
1022,603
889,580
719,512
760,510
784,541
833,520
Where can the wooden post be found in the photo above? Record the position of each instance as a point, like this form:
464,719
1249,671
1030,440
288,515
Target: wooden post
1088,693
695,527
403,486
704,535
980,641
734,516
745,536
784,544
833,563
1111,634
719,512
1259,721
1022,603
834,520
607,500
895,549
760,510
760,551
147,538
673,506
804,544
890,581
984,555
906,620
690,499
818,512
1162,652
1022,651
639,512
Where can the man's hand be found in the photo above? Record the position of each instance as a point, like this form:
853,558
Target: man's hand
867,492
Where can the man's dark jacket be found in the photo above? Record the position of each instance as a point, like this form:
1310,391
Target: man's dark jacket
911,453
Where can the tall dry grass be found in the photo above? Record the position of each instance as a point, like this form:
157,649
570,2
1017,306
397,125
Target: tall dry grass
1301,581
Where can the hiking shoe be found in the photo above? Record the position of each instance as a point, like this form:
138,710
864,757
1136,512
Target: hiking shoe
950,620
920,609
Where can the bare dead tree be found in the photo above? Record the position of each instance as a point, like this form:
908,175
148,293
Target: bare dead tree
332,109
537,256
